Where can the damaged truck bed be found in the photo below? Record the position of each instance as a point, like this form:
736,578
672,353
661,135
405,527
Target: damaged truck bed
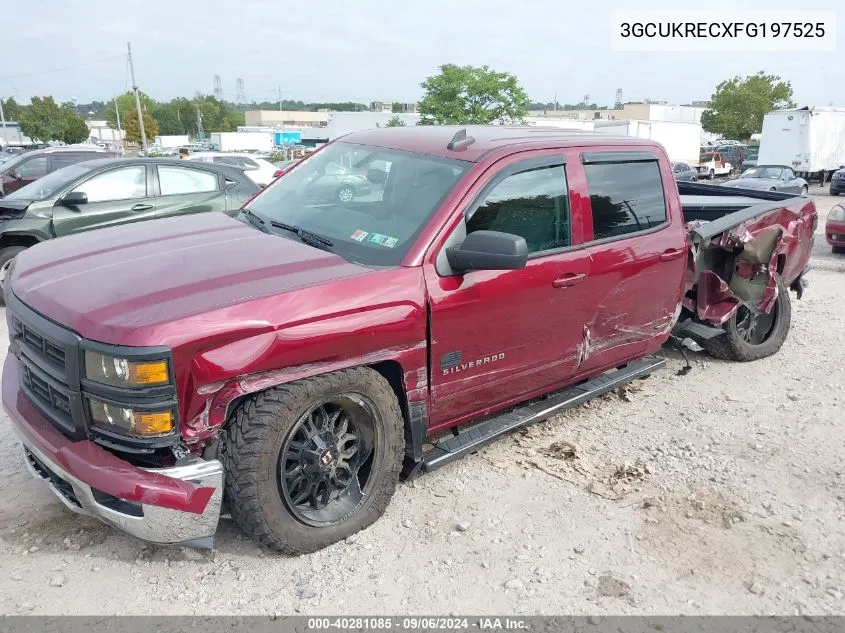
746,248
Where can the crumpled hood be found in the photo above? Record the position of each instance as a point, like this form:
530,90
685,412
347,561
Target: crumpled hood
106,283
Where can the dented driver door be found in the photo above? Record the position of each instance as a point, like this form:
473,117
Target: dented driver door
502,335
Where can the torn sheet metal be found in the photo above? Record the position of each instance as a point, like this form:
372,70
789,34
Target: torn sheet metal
739,265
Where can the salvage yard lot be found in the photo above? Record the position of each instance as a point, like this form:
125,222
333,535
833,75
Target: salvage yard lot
719,491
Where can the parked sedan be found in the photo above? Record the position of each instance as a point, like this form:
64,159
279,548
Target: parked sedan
837,181
682,171
336,184
834,230
106,192
261,171
770,178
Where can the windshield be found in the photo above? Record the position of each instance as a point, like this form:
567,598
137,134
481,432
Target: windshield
771,173
369,201
50,184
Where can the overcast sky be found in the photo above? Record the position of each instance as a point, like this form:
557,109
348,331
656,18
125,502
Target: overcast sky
364,50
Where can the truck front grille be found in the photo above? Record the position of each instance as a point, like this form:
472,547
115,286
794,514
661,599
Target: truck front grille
38,343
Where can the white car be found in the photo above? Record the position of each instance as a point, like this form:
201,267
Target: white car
262,172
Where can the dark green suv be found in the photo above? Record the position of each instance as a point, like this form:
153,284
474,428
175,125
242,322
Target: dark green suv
106,192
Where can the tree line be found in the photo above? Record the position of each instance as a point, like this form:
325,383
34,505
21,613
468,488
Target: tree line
456,95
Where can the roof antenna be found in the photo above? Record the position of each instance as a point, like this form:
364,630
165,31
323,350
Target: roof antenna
460,140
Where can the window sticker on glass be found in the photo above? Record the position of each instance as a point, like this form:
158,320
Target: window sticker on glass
359,235
383,240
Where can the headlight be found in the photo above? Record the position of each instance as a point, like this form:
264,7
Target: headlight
120,372
837,213
141,423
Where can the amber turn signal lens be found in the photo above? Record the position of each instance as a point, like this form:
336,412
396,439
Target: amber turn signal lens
148,373
153,423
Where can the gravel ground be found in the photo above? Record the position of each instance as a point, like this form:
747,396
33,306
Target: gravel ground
717,492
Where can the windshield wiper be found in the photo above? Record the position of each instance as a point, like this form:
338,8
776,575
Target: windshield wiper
312,239
256,220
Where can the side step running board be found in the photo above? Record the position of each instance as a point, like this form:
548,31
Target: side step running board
477,436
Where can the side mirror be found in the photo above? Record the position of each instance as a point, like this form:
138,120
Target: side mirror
16,174
377,176
74,198
488,250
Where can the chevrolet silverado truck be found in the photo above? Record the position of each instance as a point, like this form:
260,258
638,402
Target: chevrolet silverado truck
287,365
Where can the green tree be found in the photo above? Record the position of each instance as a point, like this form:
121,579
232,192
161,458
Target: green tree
394,121
133,130
469,94
396,107
737,107
126,104
71,127
12,109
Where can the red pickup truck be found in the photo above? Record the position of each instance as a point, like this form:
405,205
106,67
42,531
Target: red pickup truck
289,362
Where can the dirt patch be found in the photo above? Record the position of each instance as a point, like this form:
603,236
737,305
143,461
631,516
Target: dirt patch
610,587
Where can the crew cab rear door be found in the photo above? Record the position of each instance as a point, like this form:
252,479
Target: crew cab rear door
498,336
638,253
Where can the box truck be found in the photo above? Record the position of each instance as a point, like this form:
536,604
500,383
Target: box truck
240,141
810,140
680,139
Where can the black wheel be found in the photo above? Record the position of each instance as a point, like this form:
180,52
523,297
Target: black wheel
711,174
7,255
312,462
751,335
345,194
804,190
839,250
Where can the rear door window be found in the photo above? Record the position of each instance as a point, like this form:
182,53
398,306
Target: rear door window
626,197
65,160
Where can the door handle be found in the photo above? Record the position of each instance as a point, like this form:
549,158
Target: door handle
141,207
569,280
671,254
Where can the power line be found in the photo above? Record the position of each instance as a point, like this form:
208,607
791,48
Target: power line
56,70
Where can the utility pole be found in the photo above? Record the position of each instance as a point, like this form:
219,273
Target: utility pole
200,132
117,112
280,98
555,106
137,99
3,123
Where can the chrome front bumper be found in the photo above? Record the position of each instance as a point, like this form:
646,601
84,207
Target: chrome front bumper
144,521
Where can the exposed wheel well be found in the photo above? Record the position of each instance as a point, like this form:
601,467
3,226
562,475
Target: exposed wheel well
18,240
391,370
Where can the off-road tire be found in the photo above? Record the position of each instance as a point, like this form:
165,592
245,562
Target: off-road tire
6,255
250,449
838,250
731,346
804,190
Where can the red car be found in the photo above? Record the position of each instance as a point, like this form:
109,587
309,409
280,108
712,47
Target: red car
834,229
30,166
296,359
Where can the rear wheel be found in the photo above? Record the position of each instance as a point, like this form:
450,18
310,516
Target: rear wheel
751,335
312,462
839,250
804,190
